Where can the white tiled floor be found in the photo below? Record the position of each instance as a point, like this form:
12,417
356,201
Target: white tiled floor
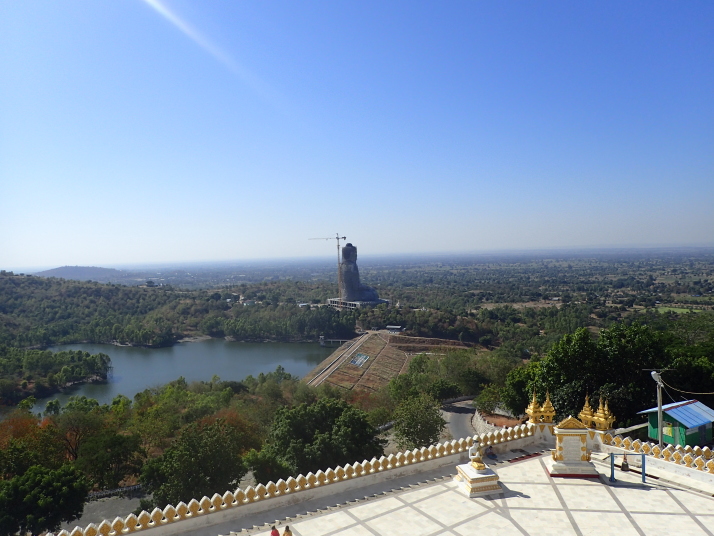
533,504
707,521
655,524
376,507
694,503
653,500
396,523
592,523
588,498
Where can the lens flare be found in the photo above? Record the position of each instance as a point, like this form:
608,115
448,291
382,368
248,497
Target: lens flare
259,86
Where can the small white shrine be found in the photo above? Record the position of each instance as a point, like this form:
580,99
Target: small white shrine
571,457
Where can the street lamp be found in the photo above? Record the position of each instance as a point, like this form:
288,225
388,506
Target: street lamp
656,377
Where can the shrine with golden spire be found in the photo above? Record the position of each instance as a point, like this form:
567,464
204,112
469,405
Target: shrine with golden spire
601,419
540,414
571,456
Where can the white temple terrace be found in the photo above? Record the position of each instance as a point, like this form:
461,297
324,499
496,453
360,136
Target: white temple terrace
532,503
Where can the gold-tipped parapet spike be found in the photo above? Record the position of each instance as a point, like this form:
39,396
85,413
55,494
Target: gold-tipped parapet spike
237,498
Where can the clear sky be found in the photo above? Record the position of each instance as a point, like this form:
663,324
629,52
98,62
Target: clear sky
138,131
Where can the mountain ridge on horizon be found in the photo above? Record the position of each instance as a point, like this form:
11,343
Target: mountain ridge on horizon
82,273
539,252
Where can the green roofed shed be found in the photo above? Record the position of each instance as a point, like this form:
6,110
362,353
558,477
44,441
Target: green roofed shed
683,423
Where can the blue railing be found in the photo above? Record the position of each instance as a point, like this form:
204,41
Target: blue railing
612,465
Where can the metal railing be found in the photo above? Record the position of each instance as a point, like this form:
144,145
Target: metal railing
111,492
612,465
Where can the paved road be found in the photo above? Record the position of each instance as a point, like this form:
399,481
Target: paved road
463,420
99,510
459,416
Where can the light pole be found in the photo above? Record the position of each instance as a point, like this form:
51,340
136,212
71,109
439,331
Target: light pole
656,377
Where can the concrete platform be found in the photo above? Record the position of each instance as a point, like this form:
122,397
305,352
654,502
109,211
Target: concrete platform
533,504
477,484
570,469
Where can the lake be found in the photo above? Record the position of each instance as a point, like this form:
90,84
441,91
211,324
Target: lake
136,369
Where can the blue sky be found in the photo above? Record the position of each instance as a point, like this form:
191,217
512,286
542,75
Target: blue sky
138,131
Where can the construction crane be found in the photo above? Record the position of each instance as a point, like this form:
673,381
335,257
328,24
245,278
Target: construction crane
339,275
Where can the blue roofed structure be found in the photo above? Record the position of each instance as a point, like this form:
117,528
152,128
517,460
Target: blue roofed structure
684,423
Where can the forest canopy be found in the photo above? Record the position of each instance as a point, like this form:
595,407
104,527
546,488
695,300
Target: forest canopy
40,373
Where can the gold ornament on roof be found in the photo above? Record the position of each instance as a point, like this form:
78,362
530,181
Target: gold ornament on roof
603,417
571,423
587,414
547,410
533,410
540,414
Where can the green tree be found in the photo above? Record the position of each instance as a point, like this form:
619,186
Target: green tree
612,367
80,418
568,371
107,458
316,436
203,461
488,399
443,389
267,466
402,387
53,407
8,390
41,499
27,404
418,422
24,442
516,395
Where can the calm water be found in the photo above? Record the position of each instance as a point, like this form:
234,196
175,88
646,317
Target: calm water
136,369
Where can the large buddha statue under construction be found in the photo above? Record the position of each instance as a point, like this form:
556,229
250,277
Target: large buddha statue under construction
351,289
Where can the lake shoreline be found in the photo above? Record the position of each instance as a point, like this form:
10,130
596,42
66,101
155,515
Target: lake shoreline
135,369
55,390
187,339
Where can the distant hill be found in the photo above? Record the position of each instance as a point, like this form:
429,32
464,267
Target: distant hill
85,273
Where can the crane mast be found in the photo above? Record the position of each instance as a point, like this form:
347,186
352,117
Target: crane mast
339,274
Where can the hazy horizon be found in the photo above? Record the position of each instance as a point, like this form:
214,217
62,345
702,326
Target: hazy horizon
172,131
371,258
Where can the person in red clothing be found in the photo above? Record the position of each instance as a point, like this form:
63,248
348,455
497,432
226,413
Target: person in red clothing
274,532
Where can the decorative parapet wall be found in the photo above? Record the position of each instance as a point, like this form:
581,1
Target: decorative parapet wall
231,505
693,462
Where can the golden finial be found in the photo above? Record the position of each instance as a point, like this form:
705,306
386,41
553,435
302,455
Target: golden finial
603,418
609,417
533,410
547,410
586,415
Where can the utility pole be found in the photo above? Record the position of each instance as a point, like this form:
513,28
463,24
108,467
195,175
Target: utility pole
656,377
